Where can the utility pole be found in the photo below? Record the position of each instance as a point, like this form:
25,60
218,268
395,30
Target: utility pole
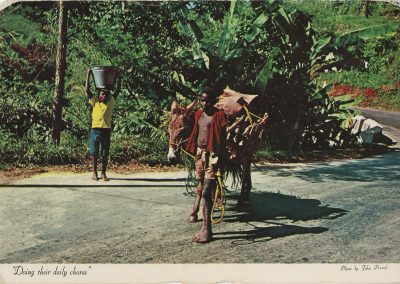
61,67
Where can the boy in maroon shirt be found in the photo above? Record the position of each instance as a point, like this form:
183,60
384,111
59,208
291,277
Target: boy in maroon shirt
207,143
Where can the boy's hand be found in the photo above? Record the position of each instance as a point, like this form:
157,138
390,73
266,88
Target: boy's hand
87,83
118,88
214,161
88,73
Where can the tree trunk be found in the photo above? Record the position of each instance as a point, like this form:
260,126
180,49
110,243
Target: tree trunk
61,66
366,8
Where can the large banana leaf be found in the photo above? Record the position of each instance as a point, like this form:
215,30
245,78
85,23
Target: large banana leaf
283,22
374,32
319,46
325,45
267,71
353,37
230,27
256,27
193,30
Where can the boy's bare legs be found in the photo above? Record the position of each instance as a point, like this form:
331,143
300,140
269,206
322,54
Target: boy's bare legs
104,169
193,216
205,233
94,165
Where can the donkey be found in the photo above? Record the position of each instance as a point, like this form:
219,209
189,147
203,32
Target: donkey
179,129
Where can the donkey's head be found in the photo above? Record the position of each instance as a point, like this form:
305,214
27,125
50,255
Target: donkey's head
179,129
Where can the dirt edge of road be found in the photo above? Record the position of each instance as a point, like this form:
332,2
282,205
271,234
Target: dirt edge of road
14,174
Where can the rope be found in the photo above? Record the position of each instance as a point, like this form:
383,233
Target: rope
221,204
219,191
178,145
249,114
187,153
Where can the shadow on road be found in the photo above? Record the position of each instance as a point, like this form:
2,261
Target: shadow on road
150,179
264,234
89,185
273,206
269,208
384,168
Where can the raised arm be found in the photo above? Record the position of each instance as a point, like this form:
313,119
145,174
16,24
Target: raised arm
87,84
118,89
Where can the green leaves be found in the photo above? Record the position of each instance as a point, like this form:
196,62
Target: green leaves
257,27
230,27
175,48
190,28
374,32
267,71
324,46
319,46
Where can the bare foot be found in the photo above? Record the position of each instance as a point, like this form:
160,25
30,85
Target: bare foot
203,237
104,177
94,177
193,218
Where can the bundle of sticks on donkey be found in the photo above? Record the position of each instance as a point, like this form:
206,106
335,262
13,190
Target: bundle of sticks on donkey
227,130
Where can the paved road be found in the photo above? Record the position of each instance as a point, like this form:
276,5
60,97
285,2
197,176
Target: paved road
389,118
335,212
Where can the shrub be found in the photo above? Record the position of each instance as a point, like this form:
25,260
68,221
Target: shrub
150,151
30,151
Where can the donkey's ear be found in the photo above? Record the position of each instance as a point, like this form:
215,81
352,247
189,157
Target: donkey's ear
174,107
189,107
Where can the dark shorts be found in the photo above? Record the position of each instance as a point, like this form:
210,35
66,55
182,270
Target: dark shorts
100,138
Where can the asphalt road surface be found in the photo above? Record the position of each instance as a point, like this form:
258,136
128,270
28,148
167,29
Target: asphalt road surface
331,212
389,118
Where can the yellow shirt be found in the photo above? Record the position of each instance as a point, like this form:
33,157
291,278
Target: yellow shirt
101,115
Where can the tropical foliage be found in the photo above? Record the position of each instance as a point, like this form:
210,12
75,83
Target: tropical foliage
166,51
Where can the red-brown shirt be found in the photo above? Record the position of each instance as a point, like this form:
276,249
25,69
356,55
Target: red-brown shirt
216,139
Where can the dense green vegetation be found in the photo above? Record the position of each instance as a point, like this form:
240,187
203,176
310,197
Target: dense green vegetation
374,69
171,50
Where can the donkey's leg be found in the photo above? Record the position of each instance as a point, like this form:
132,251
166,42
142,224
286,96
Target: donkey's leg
246,182
193,215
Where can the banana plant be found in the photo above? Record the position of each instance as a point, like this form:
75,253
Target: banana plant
328,122
290,56
290,67
325,54
222,64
